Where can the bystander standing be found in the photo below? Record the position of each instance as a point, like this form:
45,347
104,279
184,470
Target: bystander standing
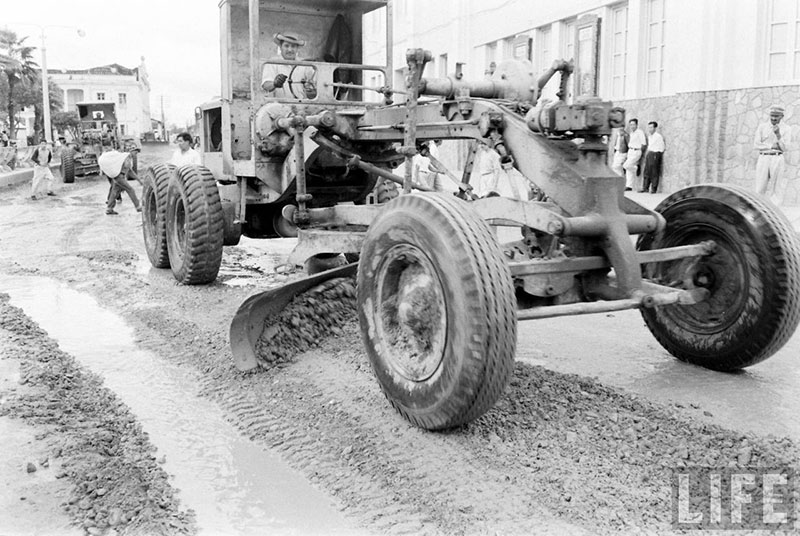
184,154
653,159
620,151
771,141
636,144
42,156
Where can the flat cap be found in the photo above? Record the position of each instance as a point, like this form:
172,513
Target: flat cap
289,38
776,110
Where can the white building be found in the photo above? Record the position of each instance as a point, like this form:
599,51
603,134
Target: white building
705,70
128,89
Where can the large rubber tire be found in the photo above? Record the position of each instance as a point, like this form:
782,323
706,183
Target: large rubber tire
437,310
68,165
155,184
194,225
753,278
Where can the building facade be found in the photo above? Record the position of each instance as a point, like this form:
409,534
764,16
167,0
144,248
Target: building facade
128,89
705,70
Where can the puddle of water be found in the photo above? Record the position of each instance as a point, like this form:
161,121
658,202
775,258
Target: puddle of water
233,486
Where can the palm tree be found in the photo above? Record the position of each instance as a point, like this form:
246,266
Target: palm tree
25,70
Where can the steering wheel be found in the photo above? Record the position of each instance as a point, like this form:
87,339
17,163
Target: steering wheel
292,83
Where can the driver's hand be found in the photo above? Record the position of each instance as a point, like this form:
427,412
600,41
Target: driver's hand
279,80
310,90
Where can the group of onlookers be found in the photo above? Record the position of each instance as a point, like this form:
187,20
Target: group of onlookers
636,153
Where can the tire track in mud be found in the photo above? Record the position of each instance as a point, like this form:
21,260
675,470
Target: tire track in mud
556,447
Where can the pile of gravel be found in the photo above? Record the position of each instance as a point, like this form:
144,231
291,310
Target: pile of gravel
309,318
118,485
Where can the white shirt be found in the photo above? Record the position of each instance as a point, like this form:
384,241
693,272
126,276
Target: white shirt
111,162
765,139
655,143
637,139
189,157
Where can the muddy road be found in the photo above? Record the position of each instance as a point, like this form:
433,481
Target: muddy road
118,388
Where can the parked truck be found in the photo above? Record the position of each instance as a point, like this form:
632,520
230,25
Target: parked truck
714,270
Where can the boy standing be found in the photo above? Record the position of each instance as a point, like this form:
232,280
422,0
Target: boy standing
42,156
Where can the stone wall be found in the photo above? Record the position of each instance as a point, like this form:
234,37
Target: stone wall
709,135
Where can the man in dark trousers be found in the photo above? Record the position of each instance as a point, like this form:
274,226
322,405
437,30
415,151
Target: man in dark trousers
654,158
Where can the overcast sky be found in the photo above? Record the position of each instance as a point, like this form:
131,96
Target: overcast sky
179,40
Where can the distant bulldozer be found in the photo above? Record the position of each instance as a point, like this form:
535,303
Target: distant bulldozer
715,269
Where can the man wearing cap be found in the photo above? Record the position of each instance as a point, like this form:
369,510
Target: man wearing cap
275,76
771,141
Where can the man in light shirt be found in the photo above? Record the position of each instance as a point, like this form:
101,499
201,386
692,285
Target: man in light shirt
275,76
41,157
771,141
636,145
653,159
184,154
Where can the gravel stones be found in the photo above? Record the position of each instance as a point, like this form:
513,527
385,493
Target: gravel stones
308,319
101,448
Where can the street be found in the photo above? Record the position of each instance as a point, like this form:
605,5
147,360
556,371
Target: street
595,419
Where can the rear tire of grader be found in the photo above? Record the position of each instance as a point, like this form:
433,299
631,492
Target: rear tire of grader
753,277
68,165
437,310
154,213
194,225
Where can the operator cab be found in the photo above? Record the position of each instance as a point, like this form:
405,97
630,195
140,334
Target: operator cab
331,59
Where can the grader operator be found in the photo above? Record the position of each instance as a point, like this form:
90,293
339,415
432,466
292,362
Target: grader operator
715,270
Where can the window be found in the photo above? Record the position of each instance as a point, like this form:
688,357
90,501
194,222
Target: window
543,57
569,40
443,66
491,54
101,96
655,47
783,46
619,50
122,130
123,98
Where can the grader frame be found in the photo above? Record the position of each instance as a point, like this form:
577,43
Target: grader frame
439,295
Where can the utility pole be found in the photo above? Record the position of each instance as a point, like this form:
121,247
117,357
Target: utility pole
48,130
163,122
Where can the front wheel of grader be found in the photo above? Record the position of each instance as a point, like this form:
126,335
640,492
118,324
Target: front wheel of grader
437,310
753,278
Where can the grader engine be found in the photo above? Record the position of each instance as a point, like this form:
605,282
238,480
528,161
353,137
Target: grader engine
439,281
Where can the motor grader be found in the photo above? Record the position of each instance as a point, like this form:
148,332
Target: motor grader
714,270
97,133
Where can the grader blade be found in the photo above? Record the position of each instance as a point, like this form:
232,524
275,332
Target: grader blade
248,324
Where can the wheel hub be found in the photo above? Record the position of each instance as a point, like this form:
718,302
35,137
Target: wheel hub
412,316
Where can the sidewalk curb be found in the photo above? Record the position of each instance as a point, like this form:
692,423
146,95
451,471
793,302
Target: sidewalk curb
19,176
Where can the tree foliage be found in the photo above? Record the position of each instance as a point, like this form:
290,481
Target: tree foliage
16,77
66,122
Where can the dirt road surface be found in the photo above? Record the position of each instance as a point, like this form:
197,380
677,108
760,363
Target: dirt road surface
123,413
